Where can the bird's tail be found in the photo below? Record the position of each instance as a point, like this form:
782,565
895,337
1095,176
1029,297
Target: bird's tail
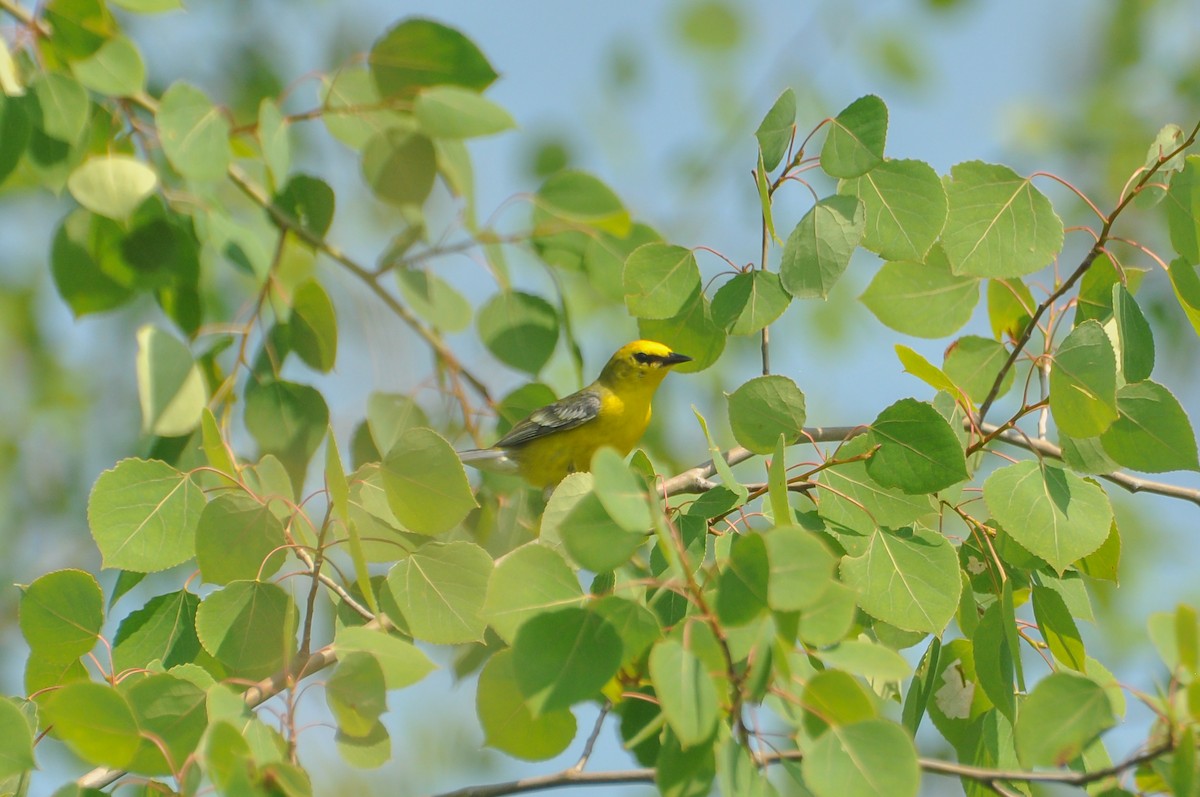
493,459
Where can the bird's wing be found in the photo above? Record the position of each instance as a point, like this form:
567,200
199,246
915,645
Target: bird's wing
574,410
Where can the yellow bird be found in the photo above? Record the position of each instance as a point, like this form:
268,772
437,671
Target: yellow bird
561,438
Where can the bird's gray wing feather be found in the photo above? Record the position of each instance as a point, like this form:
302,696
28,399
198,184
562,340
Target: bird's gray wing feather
575,410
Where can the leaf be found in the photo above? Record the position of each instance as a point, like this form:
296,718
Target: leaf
418,53
856,138
400,166
287,420
163,629
171,714
313,327
905,207
993,660
426,486
818,249
660,280
16,741
273,129
434,299
520,329
925,299
390,415
528,581
874,758
926,371
974,363
63,104
194,133
576,515
743,581
764,408
249,626
238,538
453,112
171,388
356,694
1183,211
112,185
440,589
856,502
801,569
833,697
991,209
61,614
143,515
869,660
1050,512
748,302
692,331
1152,433
95,721
15,131
1187,290
1083,382
1010,307
775,131
574,199
1136,353
1058,628
402,663
621,493
508,725
907,578
564,656
686,692
116,69
1061,716
308,203
918,451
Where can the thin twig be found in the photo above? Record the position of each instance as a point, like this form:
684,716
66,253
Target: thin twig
591,742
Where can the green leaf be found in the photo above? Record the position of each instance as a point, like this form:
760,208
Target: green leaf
764,199
660,280
684,771
353,109
925,299
194,133
1153,433
686,692
831,618
749,302
991,208
1050,512
163,629
61,614
390,415
1083,382
780,506
148,6
973,363
832,698
452,112
16,741
171,388
763,409
1183,211
869,660
1136,353
743,581
775,131
81,260
170,712
249,626
112,185
621,493
95,722
905,208
801,569
434,299
356,694
874,758
508,724
856,502
856,138
926,371
1061,716
402,663
426,486
1058,628
1010,307
818,249
419,52
918,451
308,202
993,660
287,420
1104,562
519,329
916,701
15,130
692,330
564,656
273,129
636,625
738,773
527,582
63,104
399,165
116,69
313,327
907,578
1187,289
576,515
570,199
440,589
143,515
238,538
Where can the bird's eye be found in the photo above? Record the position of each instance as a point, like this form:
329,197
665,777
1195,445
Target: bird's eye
643,357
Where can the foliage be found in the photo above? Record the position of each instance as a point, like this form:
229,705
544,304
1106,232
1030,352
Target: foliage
689,605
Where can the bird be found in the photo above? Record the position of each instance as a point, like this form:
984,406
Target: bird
560,438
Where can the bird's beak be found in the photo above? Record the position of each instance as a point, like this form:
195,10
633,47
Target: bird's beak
675,358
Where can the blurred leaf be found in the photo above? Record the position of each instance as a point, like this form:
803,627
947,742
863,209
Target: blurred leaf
685,691
273,130
577,199
112,186
399,165
15,130
308,202
356,694
974,363
1062,714
417,53
709,26
63,105
856,138
508,724
16,741
287,420
819,248
1183,211
313,327
194,133
743,581
402,663
801,569
520,329
170,386
434,299
116,69
451,112
564,656
390,415
925,299
990,207
905,206
692,331
171,714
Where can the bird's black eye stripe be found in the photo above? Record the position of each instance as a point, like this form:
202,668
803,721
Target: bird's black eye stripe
646,359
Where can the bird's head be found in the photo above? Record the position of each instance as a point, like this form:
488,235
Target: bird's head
641,360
